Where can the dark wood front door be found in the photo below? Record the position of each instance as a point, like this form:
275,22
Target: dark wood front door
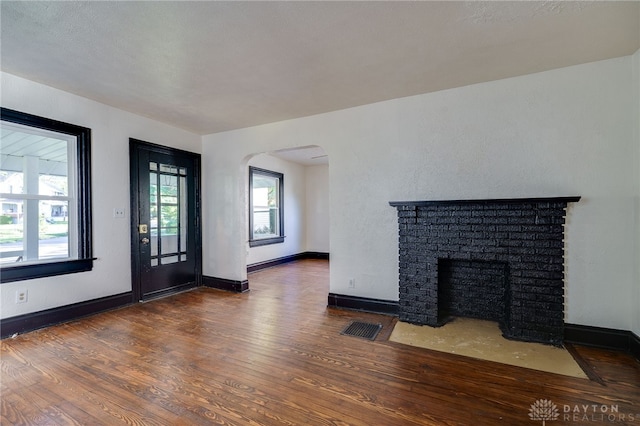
165,225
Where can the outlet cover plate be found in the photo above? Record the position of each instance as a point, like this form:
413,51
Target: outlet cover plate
22,295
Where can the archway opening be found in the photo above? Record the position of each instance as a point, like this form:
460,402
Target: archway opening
305,205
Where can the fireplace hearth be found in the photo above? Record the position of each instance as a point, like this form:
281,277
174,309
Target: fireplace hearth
499,260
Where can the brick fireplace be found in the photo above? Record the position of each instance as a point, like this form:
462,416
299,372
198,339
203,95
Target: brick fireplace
500,260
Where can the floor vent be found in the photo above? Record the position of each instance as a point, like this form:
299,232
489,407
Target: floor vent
364,330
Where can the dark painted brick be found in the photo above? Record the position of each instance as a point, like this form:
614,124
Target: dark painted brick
527,238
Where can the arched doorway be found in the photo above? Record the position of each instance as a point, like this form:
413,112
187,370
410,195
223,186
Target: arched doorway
305,173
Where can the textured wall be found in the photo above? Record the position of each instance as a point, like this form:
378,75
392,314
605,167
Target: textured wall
562,132
317,198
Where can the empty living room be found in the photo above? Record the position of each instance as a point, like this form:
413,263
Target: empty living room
320,213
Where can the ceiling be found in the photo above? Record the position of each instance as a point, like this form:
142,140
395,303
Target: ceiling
18,142
311,155
210,66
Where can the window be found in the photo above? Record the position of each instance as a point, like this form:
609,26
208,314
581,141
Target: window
45,192
266,224
168,213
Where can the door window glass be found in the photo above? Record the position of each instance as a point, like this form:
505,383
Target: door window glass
168,219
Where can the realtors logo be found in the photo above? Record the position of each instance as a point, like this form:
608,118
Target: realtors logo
543,410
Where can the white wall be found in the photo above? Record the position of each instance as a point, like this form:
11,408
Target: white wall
636,113
110,130
564,132
294,209
317,193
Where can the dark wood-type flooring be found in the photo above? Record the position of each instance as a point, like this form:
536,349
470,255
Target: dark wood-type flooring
275,356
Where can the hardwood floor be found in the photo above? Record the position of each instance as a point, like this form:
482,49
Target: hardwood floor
275,356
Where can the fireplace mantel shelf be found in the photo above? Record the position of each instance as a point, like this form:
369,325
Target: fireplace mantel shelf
485,201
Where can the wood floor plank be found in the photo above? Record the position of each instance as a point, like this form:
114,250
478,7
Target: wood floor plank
275,356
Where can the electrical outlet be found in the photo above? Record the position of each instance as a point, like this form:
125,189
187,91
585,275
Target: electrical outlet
22,295
352,283
119,213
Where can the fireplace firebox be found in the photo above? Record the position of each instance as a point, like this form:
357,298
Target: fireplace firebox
500,260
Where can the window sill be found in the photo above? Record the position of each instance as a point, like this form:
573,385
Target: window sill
42,270
266,241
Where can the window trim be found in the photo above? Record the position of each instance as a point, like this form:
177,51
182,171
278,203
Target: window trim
84,262
273,240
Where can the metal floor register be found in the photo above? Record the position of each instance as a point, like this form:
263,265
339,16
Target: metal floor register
363,330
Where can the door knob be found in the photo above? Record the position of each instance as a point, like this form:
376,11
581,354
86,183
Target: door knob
144,241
